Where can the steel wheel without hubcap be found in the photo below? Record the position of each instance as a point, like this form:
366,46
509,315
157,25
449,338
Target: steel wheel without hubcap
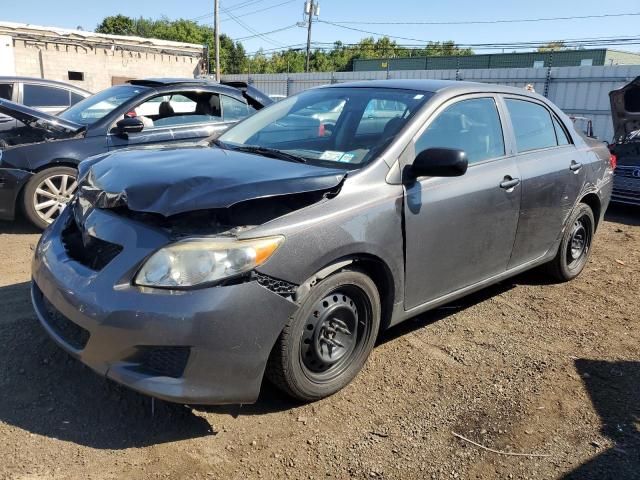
334,333
327,341
579,241
52,196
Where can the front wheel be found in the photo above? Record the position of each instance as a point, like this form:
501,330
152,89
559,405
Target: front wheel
47,193
328,340
575,246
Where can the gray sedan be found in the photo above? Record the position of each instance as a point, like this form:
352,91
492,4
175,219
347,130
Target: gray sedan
190,274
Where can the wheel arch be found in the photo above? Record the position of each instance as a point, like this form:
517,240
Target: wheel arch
593,201
371,265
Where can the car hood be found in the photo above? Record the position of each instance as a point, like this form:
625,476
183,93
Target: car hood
625,109
179,180
30,116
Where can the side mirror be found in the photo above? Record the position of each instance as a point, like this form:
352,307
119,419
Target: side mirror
129,125
440,162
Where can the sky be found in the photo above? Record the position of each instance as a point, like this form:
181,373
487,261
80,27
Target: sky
250,20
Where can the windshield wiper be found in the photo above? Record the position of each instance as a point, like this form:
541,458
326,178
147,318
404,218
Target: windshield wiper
264,151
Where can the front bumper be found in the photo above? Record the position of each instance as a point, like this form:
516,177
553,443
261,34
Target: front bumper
228,331
11,182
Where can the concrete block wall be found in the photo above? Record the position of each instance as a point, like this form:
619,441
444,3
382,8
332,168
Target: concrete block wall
99,65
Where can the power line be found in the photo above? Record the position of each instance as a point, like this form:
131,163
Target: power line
479,45
289,27
241,5
207,15
370,32
575,42
482,22
251,30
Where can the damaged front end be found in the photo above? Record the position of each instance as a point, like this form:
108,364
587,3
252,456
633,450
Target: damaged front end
201,200
37,126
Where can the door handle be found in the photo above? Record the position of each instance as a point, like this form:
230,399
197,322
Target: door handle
575,166
508,183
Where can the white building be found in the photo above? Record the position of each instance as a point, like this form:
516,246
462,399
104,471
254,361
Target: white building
92,61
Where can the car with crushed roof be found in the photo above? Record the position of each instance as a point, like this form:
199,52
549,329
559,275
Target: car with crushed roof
193,274
39,158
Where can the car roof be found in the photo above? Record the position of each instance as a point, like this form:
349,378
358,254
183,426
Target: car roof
162,84
158,82
434,86
43,81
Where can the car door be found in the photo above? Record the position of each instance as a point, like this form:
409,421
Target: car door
7,92
158,115
182,116
552,176
460,231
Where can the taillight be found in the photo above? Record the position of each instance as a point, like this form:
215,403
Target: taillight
613,161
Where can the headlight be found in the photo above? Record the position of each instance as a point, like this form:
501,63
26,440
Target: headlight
202,261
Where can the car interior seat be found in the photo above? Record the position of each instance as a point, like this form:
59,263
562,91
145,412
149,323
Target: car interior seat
165,110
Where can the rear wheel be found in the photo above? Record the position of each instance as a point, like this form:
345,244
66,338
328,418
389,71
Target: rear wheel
575,246
327,342
47,194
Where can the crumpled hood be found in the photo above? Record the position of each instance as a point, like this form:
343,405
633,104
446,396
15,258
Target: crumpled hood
173,181
625,109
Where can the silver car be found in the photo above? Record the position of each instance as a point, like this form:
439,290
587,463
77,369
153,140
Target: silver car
190,274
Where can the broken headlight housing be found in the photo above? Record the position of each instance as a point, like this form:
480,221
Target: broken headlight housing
204,261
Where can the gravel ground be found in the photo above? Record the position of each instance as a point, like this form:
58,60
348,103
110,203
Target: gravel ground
522,367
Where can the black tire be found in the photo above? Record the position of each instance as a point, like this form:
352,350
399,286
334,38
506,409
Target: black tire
575,247
30,197
312,363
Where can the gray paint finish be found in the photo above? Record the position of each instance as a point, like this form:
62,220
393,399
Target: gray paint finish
437,239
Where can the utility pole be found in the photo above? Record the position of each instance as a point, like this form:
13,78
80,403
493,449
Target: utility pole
311,9
216,30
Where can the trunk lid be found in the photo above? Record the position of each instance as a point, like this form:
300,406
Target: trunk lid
625,110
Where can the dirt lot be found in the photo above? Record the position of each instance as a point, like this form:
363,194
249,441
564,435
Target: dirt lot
522,367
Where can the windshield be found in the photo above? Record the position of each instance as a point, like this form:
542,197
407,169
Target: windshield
349,126
97,106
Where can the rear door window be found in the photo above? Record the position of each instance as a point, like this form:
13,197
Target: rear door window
180,109
45,96
561,134
532,125
471,125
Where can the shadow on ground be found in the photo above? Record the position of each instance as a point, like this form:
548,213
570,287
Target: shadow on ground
614,389
18,226
46,392
625,214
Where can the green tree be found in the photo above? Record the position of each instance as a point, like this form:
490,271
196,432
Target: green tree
117,25
234,59
553,46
